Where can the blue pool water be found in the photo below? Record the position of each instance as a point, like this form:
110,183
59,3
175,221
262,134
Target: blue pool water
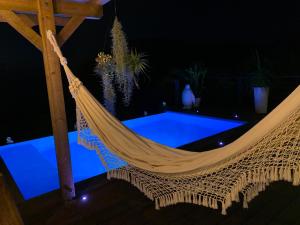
32,164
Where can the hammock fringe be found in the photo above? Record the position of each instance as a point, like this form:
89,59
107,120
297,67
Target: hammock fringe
249,185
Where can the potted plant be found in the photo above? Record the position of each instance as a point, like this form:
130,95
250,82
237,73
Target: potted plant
193,78
260,82
196,75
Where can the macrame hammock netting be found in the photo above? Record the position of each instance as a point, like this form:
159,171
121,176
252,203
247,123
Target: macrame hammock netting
269,152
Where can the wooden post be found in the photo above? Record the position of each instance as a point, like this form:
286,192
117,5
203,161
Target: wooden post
49,13
56,99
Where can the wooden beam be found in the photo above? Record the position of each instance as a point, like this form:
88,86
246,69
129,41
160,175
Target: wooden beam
88,9
60,8
18,5
22,27
9,213
61,21
29,20
56,100
32,20
69,29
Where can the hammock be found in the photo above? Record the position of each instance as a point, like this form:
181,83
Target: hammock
269,152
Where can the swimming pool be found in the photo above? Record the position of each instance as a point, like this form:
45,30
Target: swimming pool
32,164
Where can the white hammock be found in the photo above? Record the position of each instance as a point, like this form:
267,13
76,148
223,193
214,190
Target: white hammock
268,152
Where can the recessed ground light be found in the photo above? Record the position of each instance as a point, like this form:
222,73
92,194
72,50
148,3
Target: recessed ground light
236,116
83,198
221,143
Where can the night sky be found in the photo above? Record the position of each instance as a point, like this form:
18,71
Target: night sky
213,21
222,34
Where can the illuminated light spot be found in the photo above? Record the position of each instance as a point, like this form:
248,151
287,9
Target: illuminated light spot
84,198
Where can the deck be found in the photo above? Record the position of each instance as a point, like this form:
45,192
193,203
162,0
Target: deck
119,203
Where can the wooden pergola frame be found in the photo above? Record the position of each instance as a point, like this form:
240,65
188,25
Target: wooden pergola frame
23,15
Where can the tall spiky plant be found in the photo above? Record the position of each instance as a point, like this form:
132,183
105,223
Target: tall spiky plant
121,68
124,76
109,94
105,69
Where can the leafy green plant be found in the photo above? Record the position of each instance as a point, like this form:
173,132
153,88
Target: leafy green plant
137,64
196,75
261,76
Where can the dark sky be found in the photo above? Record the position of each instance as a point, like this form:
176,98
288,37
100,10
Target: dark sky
221,22
222,33
211,20
152,24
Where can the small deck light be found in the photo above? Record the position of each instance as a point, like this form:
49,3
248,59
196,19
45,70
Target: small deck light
221,143
83,198
236,116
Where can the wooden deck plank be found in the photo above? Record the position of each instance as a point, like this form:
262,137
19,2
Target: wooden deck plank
118,203
9,214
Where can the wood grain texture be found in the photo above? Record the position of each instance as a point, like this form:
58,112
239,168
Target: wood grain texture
56,100
32,20
28,19
60,8
9,214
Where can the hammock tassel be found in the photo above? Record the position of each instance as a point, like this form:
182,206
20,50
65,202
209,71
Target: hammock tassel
296,176
223,209
245,202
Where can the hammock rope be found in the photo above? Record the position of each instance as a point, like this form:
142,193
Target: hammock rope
268,152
